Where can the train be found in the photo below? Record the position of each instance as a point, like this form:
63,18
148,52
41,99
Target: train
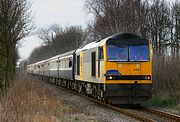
115,70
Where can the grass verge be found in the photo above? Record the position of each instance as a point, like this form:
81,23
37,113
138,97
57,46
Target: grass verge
169,103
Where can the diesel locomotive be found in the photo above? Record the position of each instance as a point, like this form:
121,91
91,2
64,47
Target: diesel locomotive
117,69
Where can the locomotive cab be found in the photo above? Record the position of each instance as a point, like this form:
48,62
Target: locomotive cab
127,69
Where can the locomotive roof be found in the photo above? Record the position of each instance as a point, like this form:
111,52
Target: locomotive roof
126,38
93,44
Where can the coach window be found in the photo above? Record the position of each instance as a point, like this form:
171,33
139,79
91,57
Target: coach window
78,65
70,62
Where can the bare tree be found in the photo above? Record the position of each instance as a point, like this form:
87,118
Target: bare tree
175,32
158,26
48,35
57,40
113,16
71,38
15,24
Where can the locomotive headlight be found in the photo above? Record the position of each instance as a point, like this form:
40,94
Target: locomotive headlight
110,77
112,74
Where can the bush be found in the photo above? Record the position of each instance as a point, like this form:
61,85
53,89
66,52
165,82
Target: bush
159,102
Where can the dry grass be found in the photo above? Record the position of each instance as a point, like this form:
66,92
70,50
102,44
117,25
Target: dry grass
33,101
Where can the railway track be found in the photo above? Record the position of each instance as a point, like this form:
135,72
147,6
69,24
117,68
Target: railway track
164,114
153,114
134,113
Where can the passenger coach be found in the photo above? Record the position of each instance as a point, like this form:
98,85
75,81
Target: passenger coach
117,69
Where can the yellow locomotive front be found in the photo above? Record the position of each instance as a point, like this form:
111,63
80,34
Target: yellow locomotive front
127,69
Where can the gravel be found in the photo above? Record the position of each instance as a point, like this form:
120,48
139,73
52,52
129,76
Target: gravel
168,110
91,110
150,115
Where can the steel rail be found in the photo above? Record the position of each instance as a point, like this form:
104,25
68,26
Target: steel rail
162,113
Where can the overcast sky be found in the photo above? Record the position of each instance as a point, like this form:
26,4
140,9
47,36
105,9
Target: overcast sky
48,12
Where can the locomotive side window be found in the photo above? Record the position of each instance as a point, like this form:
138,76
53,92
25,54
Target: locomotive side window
101,56
78,65
93,63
